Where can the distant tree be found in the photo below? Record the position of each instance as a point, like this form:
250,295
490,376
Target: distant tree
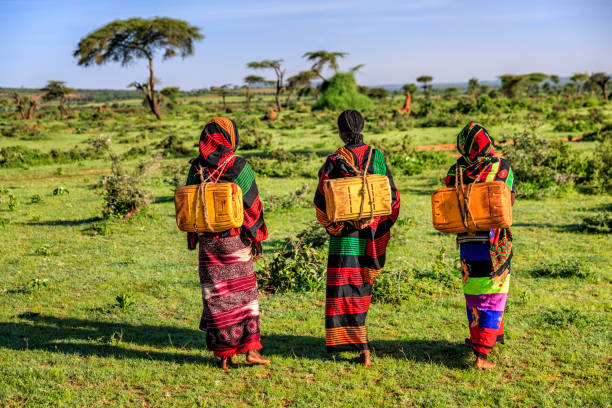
533,81
126,40
356,68
57,90
555,80
170,95
280,73
323,58
473,87
21,102
450,92
425,79
374,93
251,80
601,79
222,91
510,85
547,88
484,89
300,82
412,88
579,79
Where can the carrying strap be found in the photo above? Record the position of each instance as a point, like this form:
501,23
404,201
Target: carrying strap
201,193
364,187
463,197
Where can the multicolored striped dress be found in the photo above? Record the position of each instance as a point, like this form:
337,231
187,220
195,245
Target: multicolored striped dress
230,314
485,262
355,256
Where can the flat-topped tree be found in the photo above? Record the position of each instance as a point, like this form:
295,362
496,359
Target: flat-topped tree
57,90
510,85
323,58
601,79
425,79
533,81
251,80
124,41
301,82
280,73
222,91
579,78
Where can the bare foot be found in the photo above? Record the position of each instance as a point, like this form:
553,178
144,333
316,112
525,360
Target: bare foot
364,358
225,362
253,356
483,364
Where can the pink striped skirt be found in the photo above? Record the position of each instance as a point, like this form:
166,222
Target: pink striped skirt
229,292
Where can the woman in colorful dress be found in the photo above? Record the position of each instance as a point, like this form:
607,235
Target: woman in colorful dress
356,248
229,290
485,256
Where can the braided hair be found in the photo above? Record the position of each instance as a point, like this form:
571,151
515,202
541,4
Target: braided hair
350,123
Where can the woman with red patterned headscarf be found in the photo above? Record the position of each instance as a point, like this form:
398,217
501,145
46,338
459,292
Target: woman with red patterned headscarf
229,289
485,255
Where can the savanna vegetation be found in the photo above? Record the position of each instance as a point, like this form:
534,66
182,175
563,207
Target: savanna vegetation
100,299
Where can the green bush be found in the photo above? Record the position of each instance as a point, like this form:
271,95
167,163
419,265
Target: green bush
600,222
298,264
565,317
341,93
123,193
411,161
301,197
563,268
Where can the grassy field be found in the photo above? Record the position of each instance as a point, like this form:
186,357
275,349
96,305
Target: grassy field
104,312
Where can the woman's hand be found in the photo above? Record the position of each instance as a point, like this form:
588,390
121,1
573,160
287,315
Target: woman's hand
256,250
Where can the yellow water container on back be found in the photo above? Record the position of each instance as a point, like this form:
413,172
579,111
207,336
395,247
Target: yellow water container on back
209,207
346,199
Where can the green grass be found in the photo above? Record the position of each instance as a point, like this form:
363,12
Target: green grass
68,342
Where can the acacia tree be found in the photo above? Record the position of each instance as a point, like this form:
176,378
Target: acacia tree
579,79
280,73
323,58
21,102
601,79
137,38
533,81
222,91
57,90
425,79
250,81
555,80
301,82
510,85
473,87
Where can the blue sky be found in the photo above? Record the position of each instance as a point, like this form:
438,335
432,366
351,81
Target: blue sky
397,40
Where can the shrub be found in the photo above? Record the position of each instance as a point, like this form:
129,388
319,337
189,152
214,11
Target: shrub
600,222
600,135
411,161
563,268
123,194
173,147
341,93
301,197
12,201
565,317
298,264
541,166
36,198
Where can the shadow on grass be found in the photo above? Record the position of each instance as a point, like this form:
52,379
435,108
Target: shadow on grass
434,351
103,339
110,339
65,222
